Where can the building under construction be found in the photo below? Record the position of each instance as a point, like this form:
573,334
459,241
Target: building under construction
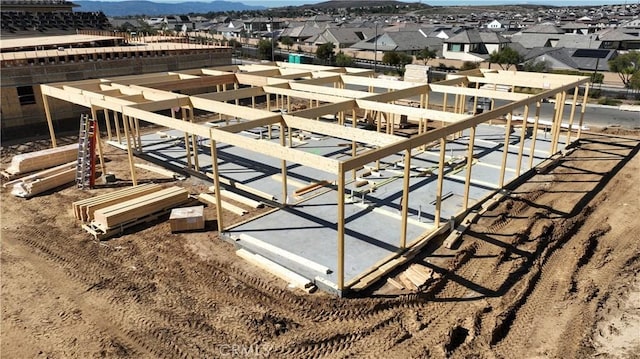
361,172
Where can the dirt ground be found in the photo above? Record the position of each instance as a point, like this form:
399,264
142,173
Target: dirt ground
551,272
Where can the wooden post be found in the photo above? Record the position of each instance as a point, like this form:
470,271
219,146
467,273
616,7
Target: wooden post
117,123
443,144
523,133
467,181
125,124
405,198
505,148
99,148
444,103
194,142
186,139
475,100
554,123
571,115
353,143
138,136
583,109
534,138
284,166
216,182
563,97
47,112
288,104
341,226
107,121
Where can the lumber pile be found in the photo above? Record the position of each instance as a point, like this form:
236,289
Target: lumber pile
161,171
33,161
310,188
139,207
43,181
83,210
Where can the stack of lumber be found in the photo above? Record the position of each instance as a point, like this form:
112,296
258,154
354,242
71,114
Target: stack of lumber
33,161
211,199
139,207
45,180
84,209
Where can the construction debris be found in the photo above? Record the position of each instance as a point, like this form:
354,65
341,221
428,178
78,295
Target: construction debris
277,270
42,181
419,275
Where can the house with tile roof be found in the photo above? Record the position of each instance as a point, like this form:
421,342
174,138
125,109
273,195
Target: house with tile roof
473,45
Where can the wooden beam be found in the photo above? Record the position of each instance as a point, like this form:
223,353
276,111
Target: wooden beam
583,109
347,133
478,92
47,112
304,94
232,95
341,227
216,183
523,133
229,109
410,111
443,144
405,198
467,180
326,109
535,134
505,148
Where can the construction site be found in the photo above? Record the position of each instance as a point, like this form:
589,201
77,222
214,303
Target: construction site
293,210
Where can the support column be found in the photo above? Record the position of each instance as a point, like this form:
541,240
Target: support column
534,138
216,182
505,148
443,144
283,164
523,133
117,123
583,109
341,226
125,124
573,112
186,139
467,181
405,197
194,142
47,112
556,139
103,169
138,136
353,143
107,122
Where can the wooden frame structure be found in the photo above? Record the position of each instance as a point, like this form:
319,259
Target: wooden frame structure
340,93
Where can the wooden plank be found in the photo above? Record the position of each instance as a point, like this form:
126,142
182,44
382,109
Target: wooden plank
242,187
242,199
284,253
159,170
210,199
275,269
310,188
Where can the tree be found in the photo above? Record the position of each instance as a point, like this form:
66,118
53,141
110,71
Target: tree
265,49
426,54
325,52
536,66
634,82
626,66
469,65
286,41
505,58
391,58
343,59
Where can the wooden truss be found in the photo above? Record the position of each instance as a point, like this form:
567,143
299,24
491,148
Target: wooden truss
330,91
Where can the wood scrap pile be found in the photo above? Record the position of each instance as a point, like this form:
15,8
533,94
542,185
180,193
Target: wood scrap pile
34,161
416,277
37,183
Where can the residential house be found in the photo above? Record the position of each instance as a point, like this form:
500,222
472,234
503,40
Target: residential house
497,25
473,45
618,40
342,37
409,42
304,31
573,59
232,29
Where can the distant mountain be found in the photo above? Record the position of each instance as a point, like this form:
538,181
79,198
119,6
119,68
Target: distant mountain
150,8
336,4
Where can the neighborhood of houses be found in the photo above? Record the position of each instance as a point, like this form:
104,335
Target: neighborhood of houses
582,39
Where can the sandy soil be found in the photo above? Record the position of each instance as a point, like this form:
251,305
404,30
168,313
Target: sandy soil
551,272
